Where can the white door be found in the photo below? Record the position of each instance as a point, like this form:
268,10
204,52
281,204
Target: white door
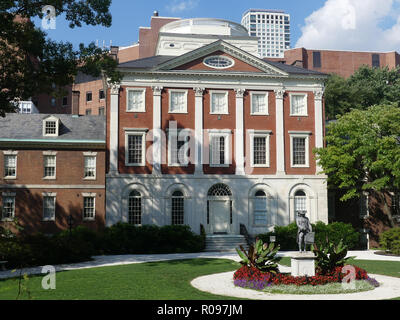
220,211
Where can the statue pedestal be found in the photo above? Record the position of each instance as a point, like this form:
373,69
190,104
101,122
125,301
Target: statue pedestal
303,264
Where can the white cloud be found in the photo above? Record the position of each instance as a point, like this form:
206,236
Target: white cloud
352,25
182,5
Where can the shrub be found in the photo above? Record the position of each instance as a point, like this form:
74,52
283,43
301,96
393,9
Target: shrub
260,256
390,241
329,256
286,236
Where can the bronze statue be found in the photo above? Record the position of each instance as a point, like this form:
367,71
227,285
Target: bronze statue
304,228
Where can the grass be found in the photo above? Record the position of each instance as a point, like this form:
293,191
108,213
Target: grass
167,280
330,288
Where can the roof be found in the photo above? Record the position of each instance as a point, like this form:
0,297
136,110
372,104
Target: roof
293,69
73,128
146,63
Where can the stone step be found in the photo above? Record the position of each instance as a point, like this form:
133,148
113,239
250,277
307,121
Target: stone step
225,243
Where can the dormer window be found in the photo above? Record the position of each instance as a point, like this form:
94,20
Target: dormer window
50,127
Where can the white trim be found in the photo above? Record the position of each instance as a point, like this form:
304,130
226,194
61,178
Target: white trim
49,153
266,93
49,195
89,195
211,92
170,91
306,136
143,107
260,134
135,132
305,97
51,119
90,155
8,195
52,186
10,154
53,177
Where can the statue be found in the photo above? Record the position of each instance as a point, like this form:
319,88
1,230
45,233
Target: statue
304,229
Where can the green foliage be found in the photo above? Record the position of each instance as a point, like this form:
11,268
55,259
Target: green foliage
390,240
31,63
261,256
363,151
366,87
286,236
329,256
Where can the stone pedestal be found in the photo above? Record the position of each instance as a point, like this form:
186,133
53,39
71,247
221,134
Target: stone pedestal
303,264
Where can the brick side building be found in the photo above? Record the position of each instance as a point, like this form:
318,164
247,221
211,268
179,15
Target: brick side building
52,166
216,137
343,63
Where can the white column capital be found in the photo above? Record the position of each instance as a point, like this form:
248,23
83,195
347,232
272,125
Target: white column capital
157,90
199,91
318,94
114,88
240,92
279,93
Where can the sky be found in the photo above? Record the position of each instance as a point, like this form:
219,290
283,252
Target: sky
363,25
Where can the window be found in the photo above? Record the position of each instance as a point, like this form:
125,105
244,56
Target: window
135,208
101,94
135,100
218,62
49,166
89,96
178,208
376,60
90,167
219,149
299,147
65,101
89,208
25,107
51,126
259,103
298,104
300,201
178,147
259,148
101,111
8,211
219,103
317,59
260,208
135,148
177,101
10,166
49,207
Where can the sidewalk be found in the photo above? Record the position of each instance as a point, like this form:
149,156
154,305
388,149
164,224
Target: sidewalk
106,261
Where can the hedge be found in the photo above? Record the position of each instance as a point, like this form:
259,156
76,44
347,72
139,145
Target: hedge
286,236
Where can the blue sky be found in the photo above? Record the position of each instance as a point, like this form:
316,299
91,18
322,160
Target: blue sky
129,15
367,25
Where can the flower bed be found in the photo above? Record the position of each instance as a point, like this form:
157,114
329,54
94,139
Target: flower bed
250,277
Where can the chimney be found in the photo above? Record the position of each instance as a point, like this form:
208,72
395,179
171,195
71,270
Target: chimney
114,52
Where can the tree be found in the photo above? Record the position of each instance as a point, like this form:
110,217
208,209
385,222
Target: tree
363,153
366,87
31,63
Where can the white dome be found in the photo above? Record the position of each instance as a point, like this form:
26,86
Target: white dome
207,26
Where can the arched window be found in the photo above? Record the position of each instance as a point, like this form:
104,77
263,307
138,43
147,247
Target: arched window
300,201
219,190
260,208
135,208
178,208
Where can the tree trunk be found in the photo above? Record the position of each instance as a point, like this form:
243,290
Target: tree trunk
387,210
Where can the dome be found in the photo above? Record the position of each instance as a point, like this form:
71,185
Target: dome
206,26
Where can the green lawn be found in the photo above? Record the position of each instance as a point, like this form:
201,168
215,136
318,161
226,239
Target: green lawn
168,280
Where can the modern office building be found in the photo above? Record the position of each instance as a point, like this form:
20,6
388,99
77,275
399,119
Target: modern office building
272,27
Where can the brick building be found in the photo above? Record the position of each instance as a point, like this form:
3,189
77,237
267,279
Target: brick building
53,166
343,63
214,136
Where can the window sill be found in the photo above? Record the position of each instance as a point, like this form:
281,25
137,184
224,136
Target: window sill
299,115
10,178
172,165
300,166
134,165
89,219
219,114
49,178
260,166
259,114
90,179
7,220
219,165
135,111
49,220
178,112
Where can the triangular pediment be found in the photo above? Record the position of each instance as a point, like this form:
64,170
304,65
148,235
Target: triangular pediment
242,61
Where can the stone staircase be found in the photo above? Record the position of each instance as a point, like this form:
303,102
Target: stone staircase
224,243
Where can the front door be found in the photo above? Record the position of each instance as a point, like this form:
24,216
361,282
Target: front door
220,212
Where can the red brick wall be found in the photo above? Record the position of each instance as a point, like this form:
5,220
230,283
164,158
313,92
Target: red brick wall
257,122
295,123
